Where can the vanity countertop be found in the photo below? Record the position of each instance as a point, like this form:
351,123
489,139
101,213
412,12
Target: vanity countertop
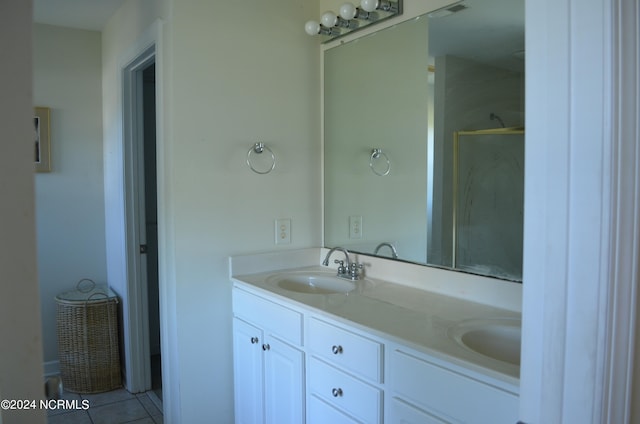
420,319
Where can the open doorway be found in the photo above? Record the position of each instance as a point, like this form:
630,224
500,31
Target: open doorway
142,321
151,224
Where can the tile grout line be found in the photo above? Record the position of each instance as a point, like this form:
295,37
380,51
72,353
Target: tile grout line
150,408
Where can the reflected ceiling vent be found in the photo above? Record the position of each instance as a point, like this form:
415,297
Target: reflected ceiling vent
450,10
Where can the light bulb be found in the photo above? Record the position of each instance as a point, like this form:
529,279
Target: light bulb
312,28
347,11
369,5
329,19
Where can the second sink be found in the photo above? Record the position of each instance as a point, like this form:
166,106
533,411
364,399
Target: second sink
497,338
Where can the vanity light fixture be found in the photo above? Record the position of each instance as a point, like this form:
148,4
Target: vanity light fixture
351,18
387,6
330,20
349,12
315,28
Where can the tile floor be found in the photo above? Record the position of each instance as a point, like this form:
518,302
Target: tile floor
114,407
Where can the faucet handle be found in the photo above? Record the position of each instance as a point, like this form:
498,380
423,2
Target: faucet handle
341,268
354,270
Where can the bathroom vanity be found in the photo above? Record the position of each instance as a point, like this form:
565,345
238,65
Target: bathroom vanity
310,349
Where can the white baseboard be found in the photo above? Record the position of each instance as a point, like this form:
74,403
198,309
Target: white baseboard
51,368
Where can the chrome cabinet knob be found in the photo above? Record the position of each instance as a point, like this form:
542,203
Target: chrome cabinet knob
336,349
336,392
266,347
254,340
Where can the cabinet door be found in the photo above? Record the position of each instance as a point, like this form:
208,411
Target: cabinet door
449,393
284,383
247,368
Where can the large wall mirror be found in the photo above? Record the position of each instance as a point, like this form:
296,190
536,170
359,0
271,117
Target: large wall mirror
424,140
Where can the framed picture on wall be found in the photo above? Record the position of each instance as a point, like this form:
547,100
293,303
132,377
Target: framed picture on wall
42,146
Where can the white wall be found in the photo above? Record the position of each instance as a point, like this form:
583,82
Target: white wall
20,332
243,72
70,199
233,73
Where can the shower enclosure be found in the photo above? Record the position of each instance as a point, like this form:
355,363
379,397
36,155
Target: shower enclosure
488,201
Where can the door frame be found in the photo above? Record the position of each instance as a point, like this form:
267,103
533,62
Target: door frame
582,212
122,270
137,346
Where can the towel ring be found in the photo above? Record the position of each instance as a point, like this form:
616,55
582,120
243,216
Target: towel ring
258,148
377,154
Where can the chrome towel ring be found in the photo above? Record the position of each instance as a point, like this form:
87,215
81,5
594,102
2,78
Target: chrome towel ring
259,148
379,154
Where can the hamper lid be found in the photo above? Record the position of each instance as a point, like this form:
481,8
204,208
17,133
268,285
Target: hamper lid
86,290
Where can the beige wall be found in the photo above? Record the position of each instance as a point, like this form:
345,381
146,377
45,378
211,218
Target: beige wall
67,77
20,332
233,73
243,72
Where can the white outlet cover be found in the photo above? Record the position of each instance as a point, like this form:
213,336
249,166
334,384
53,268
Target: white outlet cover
283,231
355,226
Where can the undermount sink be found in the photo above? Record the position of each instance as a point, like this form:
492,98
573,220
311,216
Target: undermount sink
497,338
312,282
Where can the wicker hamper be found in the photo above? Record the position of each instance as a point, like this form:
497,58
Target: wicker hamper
87,327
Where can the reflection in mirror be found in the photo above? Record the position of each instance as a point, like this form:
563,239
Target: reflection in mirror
443,191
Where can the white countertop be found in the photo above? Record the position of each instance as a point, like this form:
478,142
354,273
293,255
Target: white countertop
417,317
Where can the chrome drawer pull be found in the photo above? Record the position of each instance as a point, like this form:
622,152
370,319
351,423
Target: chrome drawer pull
336,349
254,340
266,347
336,392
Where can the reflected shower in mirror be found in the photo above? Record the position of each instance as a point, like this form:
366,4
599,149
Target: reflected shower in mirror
442,96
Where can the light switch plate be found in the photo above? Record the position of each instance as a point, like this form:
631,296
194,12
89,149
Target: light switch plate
283,231
355,226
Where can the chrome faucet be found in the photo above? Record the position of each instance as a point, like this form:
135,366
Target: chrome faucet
394,252
348,271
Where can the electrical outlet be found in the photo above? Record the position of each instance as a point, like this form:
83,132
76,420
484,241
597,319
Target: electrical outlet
355,226
283,231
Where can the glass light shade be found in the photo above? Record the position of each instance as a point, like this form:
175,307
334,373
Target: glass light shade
347,11
312,28
369,5
329,19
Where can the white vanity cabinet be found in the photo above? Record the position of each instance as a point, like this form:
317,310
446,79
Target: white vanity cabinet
296,364
268,361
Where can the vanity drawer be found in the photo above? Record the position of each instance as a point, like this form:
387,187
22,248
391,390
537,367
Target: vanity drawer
278,320
402,412
320,412
345,349
344,392
448,393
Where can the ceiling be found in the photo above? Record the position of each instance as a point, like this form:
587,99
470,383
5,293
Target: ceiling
488,31
80,14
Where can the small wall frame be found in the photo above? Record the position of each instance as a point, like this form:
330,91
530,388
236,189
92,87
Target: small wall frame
42,139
